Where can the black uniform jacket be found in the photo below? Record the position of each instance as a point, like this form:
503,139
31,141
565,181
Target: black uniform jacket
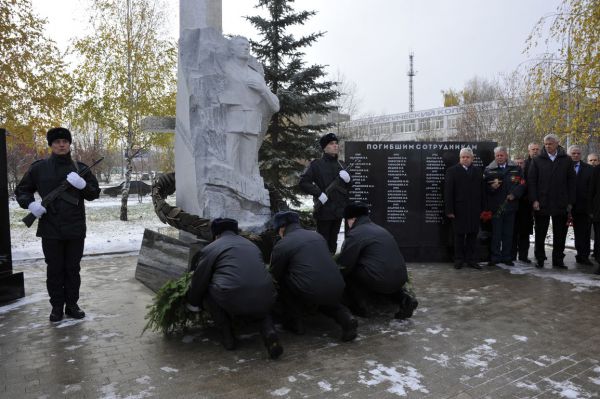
594,195
463,197
65,217
552,183
314,181
511,182
231,271
371,253
582,187
302,260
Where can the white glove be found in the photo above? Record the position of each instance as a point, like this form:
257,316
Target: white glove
36,208
323,198
76,181
345,176
192,308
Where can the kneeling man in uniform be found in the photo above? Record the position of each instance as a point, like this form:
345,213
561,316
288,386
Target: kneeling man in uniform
306,274
230,280
372,264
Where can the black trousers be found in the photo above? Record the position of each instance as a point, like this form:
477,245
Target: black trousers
582,227
559,233
62,273
464,247
357,293
294,305
523,229
224,321
330,229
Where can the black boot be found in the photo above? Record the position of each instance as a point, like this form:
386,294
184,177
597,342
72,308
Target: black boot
227,337
56,314
348,323
74,311
408,305
270,338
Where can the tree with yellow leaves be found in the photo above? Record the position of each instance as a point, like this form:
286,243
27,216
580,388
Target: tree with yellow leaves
35,87
565,82
127,71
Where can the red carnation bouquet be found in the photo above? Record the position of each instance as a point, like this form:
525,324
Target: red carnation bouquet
486,216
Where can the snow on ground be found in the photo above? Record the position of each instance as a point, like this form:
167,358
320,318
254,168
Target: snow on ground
105,232
581,281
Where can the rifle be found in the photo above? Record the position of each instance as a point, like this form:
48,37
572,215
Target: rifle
335,184
54,194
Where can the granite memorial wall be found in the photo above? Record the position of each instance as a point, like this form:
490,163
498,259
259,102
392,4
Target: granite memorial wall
403,184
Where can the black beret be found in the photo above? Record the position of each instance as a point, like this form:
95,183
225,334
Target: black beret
356,209
58,133
328,138
220,225
284,218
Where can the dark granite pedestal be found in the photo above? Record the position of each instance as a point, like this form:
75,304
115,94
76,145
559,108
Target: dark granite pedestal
11,284
164,257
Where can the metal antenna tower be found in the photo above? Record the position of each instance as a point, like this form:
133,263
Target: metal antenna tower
411,73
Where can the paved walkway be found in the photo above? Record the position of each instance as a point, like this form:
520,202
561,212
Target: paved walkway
477,334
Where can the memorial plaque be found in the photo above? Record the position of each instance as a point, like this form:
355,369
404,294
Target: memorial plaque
403,183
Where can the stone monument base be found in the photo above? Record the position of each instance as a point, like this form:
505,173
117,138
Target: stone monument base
165,257
12,287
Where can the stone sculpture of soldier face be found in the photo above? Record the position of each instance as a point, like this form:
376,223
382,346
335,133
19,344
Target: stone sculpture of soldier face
239,47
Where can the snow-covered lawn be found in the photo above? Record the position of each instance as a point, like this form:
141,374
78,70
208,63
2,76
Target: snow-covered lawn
105,232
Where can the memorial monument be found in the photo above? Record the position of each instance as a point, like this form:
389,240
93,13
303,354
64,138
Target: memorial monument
223,111
403,182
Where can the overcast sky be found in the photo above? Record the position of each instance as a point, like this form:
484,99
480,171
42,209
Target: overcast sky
369,41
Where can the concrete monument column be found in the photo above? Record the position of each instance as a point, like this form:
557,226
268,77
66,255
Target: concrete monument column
223,110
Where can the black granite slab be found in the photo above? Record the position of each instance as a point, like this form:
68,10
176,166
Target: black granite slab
163,258
403,183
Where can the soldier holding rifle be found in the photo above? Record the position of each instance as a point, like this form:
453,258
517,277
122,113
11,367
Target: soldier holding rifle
328,181
62,220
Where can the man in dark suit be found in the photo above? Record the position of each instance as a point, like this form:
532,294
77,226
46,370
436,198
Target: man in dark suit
552,194
462,198
582,223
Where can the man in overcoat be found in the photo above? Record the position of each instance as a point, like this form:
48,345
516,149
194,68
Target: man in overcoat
593,160
307,276
594,210
372,264
552,194
463,201
62,224
582,223
230,280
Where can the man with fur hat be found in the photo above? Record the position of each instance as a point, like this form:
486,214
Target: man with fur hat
552,187
61,226
372,264
230,280
329,204
306,275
